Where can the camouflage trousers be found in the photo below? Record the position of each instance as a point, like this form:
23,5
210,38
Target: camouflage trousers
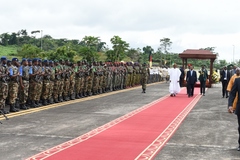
101,80
77,85
61,86
66,87
23,92
56,89
13,92
45,89
144,82
95,85
39,90
51,85
88,84
3,94
72,86
33,90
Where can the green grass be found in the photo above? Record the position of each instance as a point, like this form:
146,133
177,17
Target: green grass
9,51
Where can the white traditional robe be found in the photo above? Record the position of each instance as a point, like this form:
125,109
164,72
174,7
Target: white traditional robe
174,86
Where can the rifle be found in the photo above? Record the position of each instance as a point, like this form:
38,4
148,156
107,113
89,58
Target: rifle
2,113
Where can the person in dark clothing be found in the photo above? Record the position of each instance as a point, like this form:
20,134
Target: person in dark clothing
191,81
224,78
233,93
181,77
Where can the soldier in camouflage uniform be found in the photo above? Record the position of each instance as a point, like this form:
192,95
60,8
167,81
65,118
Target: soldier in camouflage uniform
51,84
33,84
46,82
13,85
95,83
61,84
57,81
66,86
144,77
72,69
100,76
89,79
40,83
24,71
78,75
4,76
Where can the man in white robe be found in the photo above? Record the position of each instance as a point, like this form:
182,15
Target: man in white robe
174,86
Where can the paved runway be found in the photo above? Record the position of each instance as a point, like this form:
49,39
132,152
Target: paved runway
208,132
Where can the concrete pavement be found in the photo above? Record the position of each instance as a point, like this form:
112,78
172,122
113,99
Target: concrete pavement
208,132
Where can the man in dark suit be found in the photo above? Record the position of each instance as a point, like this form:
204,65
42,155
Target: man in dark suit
191,81
224,78
234,91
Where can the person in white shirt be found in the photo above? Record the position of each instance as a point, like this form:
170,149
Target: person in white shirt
174,86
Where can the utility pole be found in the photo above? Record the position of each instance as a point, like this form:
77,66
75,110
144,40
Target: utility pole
41,38
233,52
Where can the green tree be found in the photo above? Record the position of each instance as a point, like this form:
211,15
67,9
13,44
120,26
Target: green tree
62,53
134,54
89,48
29,51
165,46
120,48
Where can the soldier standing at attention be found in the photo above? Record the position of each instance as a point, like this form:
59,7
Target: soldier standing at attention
46,82
57,82
4,75
144,77
34,80
72,80
52,79
13,85
24,71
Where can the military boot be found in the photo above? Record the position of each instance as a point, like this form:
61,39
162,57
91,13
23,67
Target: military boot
77,96
72,96
60,99
32,104
81,94
12,108
50,101
44,102
22,106
55,100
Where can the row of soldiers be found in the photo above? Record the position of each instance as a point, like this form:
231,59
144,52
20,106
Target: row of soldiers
32,82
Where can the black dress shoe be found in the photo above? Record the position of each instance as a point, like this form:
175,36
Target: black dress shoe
226,96
203,94
238,149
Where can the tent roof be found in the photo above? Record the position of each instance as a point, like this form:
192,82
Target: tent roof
197,54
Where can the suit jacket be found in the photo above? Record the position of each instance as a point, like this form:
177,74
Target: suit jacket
203,75
191,79
222,74
235,89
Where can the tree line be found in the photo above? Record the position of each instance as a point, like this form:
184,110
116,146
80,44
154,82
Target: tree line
91,48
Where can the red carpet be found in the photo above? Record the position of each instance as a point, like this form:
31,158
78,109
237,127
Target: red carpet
137,135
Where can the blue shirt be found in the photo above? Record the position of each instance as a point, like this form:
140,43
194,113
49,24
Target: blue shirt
20,71
11,71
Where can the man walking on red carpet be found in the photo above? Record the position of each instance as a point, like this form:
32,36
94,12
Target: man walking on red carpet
174,86
191,81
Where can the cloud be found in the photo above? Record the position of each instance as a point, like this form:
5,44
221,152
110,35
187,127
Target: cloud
189,24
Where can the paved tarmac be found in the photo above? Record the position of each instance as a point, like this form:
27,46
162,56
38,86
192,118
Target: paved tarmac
209,132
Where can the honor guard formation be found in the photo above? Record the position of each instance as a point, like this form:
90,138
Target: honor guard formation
32,83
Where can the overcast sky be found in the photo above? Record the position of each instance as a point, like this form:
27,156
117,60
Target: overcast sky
190,24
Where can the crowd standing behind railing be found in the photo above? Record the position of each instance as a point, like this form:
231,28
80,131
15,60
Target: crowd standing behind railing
34,82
